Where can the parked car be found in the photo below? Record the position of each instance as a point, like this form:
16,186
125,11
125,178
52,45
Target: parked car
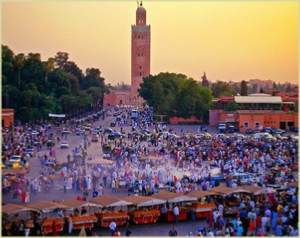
79,132
145,130
221,136
231,129
249,131
117,134
280,131
268,130
35,133
15,159
108,130
199,135
64,145
31,152
66,131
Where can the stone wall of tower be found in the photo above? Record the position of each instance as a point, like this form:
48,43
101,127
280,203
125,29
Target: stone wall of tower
140,51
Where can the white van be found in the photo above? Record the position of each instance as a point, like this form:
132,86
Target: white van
263,135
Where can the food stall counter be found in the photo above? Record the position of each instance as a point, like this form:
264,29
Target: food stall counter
145,216
104,219
202,209
182,215
86,221
47,225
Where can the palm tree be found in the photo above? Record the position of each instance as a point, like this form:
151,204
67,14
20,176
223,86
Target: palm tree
18,64
49,65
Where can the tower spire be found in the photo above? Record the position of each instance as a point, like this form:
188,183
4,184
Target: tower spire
141,4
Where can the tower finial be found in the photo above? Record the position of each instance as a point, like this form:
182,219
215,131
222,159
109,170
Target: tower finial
141,4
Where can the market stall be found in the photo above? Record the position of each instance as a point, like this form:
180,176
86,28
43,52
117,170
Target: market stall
109,203
13,209
144,209
50,224
86,221
175,198
202,208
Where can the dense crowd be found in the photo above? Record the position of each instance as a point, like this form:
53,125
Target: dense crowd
160,158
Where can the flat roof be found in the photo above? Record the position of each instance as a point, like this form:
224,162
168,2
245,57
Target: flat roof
258,99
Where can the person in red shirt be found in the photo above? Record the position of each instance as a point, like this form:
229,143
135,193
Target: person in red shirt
258,222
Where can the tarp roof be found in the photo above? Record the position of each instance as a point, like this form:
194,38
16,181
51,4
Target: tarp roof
201,194
100,161
144,201
72,203
15,208
174,197
258,99
293,184
150,157
45,206
109,201
251,189
226,190
14,171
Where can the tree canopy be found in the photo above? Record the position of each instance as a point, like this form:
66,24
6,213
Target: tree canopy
176,95
34,88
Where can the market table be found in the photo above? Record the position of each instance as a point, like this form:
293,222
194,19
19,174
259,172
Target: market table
182,215
86,221
47,225
145,209
105,218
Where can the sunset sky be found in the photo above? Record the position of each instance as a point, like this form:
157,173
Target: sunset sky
227,40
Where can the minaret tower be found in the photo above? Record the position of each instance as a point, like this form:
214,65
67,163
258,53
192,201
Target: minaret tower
140,50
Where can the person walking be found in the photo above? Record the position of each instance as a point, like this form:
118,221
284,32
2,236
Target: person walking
113,186
176,212
70,224
173,231
112,227
65,185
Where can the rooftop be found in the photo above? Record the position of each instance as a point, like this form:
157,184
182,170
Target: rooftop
258,99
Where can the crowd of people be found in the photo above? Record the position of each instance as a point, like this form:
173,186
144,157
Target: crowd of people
180,162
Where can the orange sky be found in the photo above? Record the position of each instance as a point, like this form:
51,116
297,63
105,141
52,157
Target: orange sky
227,40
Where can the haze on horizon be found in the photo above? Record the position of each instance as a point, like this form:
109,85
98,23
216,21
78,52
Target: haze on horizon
227,40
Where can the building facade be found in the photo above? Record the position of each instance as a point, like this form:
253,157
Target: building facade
140,51
256,111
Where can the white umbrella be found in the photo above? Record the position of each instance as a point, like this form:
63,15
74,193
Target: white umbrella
265,191
100,161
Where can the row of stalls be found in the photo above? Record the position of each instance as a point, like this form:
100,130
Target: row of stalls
104,209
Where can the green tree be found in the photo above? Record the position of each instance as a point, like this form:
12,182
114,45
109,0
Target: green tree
205,82
176,95
288,88
18,64
254,88
219,87
7,63
244,88
61,58
261,90
231,106
49,66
